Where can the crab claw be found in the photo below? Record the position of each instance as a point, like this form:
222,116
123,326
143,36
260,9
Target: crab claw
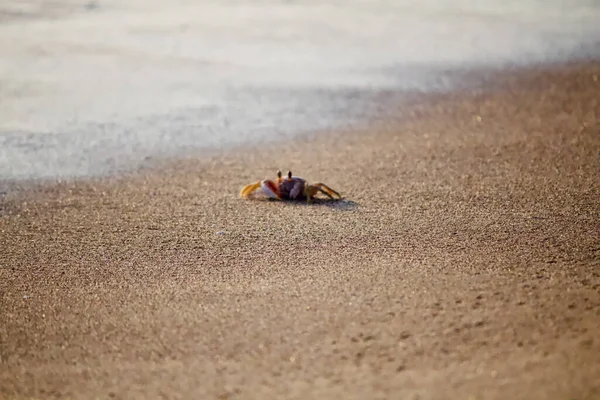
268,187
249,189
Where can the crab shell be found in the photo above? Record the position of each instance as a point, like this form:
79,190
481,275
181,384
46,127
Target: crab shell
292,188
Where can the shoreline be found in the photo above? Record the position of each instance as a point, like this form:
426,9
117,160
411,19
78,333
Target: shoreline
101,88
463,262
480,81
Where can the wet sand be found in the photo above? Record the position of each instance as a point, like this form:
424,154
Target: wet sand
464,262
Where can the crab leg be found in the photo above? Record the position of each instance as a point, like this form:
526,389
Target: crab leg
323,188
312,190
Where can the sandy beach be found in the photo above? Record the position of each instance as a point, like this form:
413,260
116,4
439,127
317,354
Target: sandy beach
463,263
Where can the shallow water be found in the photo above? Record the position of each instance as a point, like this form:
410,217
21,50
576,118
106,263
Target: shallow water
94,87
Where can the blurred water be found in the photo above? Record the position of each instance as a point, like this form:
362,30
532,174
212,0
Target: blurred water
94,87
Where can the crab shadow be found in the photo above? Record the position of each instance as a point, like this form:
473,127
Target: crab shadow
341,205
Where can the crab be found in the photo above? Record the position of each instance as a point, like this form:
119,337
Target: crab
289,188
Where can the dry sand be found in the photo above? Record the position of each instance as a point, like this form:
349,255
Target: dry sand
463,263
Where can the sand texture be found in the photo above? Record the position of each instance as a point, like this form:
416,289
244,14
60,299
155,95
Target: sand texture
463,263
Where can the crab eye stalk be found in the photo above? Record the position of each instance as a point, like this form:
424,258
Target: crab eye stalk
279,174
290,174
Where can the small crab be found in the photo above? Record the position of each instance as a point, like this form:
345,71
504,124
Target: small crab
289,188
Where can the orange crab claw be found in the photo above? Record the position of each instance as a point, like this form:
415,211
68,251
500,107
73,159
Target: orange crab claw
249,189
268,187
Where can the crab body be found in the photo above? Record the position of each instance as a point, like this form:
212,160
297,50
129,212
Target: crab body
289,188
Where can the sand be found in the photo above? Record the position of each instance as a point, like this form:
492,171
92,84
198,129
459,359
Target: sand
463,263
